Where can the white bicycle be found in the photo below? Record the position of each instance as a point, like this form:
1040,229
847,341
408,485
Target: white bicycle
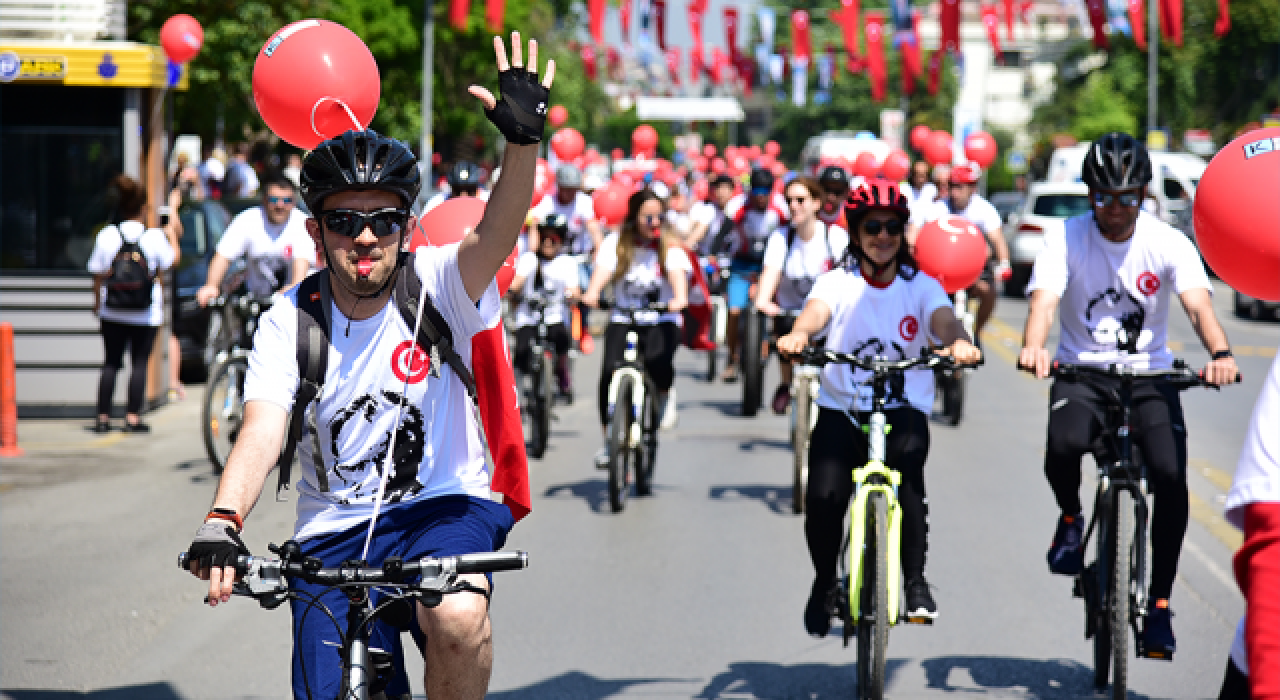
951,382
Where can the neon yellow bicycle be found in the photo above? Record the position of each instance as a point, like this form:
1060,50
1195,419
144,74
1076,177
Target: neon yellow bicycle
868,591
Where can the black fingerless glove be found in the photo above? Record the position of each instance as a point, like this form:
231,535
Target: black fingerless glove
521,112
216,544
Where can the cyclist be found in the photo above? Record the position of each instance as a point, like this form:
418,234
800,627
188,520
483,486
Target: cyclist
464,181
554,275
576,207
877,304
642,263
963,200
1112,271
271,237
835,190
360,186
793,259
711,220
754,222
917,189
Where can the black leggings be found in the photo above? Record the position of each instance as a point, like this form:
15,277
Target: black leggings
557,335
659,341
1076,411
836,448
115,337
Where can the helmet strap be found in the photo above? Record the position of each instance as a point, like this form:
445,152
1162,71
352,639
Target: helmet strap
402,257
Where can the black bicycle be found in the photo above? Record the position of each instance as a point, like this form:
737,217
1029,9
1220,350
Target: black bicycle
1113,586
717,269
537,382
366,671
633,414
223,410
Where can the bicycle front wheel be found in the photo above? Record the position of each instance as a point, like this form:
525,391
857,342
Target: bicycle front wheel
646,455
800,447
1103,573
540,409
953,396
752,361
873,618
1121,574
620,452
224,410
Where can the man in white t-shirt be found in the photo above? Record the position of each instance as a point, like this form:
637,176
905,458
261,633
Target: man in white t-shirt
576,207
711,221
917,189
432,492
273,240
1112,272
552,277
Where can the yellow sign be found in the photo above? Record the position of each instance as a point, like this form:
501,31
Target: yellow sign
1157,140
92,64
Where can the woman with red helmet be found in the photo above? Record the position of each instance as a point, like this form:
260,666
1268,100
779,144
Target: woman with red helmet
877,303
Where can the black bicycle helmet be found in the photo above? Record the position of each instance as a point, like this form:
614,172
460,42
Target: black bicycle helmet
555,223
464,175
359,160
1116,161
761,179
834,178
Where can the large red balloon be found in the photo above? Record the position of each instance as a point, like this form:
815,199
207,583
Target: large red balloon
314,80
644,140
980,148
920,136
568,144
896,165
451,222
181,36
866,165
953,251
709,150
611,203
1237,232
772,148
937,150
719,166
558,115
701,189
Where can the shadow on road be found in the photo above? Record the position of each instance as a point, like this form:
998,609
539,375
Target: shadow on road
775,498
148,691
576,684
594,491
770,443
1037,678
726,408
766,681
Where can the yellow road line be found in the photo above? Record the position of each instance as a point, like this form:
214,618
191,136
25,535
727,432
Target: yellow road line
994,337
1219,478
1212,521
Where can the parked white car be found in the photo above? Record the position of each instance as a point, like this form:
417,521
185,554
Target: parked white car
1047,205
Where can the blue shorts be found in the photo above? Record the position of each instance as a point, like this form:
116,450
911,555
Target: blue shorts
444,526
738,295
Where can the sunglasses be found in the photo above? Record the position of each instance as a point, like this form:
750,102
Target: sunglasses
465,192
351,223
280,200
1128,199
892,227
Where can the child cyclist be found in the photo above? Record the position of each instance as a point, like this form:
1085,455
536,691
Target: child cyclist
554,276
876,304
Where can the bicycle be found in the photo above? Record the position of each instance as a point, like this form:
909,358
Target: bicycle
868,586
223,409
951,384
366,671
1115,598
632,414
804,415
538,384
753,356
717,268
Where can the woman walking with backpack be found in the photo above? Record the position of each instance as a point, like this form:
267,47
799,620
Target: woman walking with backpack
127,257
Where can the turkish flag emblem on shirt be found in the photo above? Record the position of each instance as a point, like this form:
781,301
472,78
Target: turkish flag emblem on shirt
1148,283
909,327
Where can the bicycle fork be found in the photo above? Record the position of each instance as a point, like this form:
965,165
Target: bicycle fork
875,477
628,369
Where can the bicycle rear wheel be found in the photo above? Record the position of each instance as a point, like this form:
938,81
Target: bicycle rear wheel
224,410
800,447
1121,574
752,362
953,396
873,618
620,453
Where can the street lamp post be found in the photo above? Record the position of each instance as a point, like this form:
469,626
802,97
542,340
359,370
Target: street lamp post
428,49
1153,65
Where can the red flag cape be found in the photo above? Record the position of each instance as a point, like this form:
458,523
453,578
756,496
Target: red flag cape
697,329
500,414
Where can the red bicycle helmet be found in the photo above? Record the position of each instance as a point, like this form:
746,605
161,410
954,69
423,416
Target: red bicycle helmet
876,193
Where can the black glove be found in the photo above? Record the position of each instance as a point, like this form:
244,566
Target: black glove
521,112
216,544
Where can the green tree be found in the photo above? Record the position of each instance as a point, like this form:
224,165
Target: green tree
1100,109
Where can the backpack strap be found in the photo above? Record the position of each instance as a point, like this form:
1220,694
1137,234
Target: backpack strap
407,294
314,297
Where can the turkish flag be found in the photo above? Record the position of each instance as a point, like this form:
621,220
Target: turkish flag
499,400
493,14
1138,21
1024,11
588,54
949,21
595,19
991,20
909,45
1098,18
848,19
1008,19
659,14
718,62
731,30
673,64
696,10
458,11
935,71
624,16
875,56
1171,20
1223,23
800,45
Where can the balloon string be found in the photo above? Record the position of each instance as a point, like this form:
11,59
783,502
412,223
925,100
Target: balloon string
350,115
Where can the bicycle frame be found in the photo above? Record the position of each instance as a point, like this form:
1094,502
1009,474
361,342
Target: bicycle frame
630,368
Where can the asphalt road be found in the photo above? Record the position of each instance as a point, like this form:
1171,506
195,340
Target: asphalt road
696,592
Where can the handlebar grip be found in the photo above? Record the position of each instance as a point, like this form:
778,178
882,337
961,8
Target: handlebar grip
492,561
242,562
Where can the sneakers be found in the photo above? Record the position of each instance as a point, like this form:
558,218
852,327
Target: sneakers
781,399
602,458
1066,554
670,414
817,615
138,427
920,605
1157,632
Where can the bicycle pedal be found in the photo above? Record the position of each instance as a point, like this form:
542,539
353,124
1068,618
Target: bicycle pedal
919,620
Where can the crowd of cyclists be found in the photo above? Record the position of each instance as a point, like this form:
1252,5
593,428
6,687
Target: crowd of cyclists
826,255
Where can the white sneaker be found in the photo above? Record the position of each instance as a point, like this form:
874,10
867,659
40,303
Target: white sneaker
670,415
602,458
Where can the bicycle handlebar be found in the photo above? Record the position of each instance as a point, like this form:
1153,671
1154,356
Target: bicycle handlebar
1179,375
245,303
879,365
608,305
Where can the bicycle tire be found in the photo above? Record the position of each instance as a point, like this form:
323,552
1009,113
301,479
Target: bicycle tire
620,454
647,454
752,362
1121,575
540,405
800,447
873,628
1102,611
711,354
223,410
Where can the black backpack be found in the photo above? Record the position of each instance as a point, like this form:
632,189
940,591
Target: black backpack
130,282
314,325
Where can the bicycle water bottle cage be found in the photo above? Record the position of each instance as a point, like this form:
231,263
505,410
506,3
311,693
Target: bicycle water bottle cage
867,429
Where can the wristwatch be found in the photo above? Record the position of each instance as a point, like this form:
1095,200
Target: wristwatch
1222,354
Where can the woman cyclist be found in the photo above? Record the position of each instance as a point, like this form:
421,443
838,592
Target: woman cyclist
554,276
878,304
642,263
793,258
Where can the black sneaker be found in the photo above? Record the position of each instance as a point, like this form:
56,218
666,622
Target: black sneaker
1157,633
1066,554
920,605
138,427
817,615
102,426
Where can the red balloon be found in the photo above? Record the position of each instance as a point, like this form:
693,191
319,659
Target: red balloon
866,165
451,222
701,190
980,148
314,80
181,36
896,165
754,152
568,144
739,165
718,166
506,273
644,140
772,148
558,115
611,202
920,136
953,251
701,163
709,150
1240,242
778,170
937,150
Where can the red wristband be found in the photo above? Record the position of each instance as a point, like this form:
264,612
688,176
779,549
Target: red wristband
226,514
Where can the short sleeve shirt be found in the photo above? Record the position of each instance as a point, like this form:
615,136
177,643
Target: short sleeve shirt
159,254
803,261
982,213
1258,471
577,212
558,275
269,249
644,280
